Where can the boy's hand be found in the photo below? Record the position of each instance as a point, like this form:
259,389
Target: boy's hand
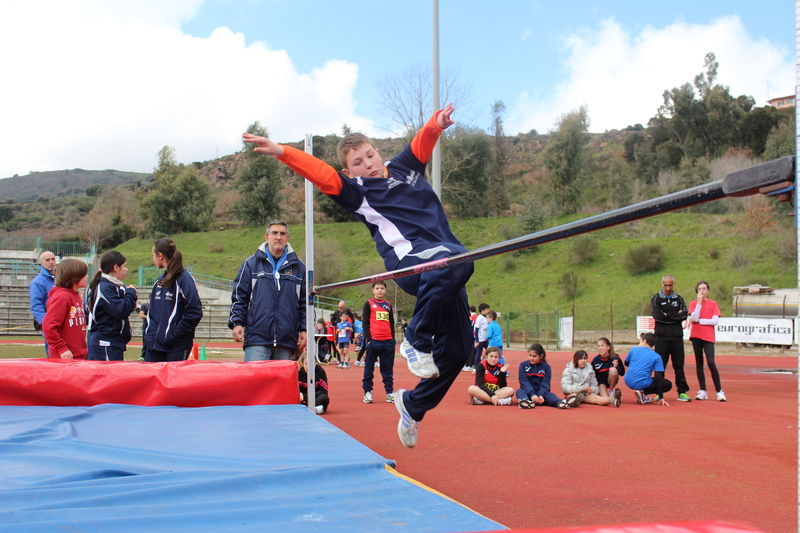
263,145
443,119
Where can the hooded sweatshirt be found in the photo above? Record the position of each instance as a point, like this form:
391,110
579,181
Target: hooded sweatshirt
64,325
573,380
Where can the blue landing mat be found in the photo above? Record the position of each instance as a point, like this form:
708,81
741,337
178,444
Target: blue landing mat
238,468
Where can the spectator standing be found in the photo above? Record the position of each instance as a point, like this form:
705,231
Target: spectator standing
175,307
110,306
378,327
39,290
64,324
344,330
703,316
481,325
268,309
669,311
494,334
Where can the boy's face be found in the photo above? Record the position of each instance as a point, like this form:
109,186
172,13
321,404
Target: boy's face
379,291
363,162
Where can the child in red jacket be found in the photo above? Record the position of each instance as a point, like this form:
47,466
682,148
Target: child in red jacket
64,324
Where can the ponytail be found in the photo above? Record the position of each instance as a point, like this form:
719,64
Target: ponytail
107,263
168,249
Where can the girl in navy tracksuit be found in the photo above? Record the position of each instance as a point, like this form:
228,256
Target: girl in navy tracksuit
534,380
175,308
110,304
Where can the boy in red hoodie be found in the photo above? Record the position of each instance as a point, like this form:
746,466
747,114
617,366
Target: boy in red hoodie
64,324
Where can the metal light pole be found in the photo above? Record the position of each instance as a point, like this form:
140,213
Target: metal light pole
436,167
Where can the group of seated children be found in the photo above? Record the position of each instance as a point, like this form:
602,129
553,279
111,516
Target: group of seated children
581,381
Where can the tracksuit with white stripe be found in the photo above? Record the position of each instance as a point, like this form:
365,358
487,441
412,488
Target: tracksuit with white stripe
109,324
409,227
173,316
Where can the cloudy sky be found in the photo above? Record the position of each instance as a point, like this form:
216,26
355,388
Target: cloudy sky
96,84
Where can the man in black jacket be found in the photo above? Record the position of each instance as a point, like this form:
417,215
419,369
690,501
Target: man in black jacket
669,311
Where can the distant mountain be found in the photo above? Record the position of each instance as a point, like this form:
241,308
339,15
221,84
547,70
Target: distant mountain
61,183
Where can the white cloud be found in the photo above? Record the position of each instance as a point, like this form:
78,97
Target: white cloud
621,77
96,84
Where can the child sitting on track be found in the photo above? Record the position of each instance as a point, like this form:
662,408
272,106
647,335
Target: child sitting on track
408,224
321,399
578,380
534,380
646,371
490,381
607,367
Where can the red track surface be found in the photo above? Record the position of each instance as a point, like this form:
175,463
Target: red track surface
734,461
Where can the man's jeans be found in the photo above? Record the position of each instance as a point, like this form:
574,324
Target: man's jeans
266,353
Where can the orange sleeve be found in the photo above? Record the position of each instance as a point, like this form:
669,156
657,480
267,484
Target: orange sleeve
314,170
424,141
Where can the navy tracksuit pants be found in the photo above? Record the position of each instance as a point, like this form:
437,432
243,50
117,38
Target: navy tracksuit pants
382,351
440,325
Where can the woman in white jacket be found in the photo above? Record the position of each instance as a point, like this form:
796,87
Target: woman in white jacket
579,380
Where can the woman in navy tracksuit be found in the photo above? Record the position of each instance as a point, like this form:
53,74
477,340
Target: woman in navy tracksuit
110,304
175,307
534,380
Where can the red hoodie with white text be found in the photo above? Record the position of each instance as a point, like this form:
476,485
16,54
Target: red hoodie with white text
64,324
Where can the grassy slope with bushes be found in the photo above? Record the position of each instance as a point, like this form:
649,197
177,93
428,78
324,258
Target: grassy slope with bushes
694,247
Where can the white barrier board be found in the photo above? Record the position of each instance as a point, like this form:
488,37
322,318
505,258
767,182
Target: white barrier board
739,329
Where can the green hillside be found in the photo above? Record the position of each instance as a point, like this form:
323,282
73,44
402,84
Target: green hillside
694,246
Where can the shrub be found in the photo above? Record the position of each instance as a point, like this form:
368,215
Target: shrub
713,253
644,258
584,249
570,284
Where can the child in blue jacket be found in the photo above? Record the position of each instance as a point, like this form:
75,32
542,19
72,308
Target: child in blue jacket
534,382
175,307
110,306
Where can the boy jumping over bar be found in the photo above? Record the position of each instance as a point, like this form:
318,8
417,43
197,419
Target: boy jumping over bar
409,227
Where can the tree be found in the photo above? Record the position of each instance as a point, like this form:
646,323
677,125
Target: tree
180,199
464,184
565,158
258,182
755,127
498,195
405,97
781,140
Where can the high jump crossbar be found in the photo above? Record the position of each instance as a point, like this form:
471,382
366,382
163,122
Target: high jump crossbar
776,175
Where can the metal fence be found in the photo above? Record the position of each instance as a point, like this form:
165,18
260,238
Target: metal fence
538,327
21,242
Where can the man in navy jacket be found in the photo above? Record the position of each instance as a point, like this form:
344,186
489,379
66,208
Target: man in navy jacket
268,309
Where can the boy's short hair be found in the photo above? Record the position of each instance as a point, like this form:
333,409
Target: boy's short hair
492,315
649,338
69,272
379,282
491,349
483,307
349,142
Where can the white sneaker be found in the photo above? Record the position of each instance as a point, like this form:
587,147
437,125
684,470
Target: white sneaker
419,363
504,401
701,395
368,397
476,401
641,397
721,397
407,427
319,409
359,363
390,398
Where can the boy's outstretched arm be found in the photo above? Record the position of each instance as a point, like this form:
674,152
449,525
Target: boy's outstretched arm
263,145
314,170
425,139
